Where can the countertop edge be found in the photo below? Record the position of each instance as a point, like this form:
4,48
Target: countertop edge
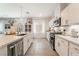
69,39
13,40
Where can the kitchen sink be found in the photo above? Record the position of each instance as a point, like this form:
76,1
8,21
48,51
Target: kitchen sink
21,34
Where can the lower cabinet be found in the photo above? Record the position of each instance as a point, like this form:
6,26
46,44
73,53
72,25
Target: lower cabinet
15,48
27,43
48,36
19,48
73,49
3,51
66,48
61,46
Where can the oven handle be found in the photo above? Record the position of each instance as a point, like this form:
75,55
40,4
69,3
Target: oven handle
12,46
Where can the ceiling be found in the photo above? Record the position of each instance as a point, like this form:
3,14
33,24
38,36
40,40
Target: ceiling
30,9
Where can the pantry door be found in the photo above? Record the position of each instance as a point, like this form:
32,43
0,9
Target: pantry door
39,28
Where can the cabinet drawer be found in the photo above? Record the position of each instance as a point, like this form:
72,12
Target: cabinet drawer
76,47
73,50
64,42
61,46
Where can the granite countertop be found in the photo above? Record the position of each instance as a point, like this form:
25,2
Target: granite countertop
69,38
7,39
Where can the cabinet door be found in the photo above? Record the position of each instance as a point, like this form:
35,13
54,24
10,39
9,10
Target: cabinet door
19,48
27,42
63,47
3,51
25,45
57,45
48,35
73,50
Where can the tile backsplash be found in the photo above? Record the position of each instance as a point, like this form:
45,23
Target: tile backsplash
73,30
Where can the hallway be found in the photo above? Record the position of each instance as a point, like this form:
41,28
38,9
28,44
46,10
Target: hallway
40,47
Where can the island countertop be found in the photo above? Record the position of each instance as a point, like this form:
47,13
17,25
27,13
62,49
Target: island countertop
7,39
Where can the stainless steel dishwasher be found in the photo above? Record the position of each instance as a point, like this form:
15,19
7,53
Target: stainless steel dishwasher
15,48
11,49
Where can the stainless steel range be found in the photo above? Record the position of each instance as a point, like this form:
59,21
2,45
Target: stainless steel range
52,39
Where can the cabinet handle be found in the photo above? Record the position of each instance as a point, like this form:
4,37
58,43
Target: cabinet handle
12,47
76,49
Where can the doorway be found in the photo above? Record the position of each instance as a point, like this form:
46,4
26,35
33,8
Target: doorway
39,28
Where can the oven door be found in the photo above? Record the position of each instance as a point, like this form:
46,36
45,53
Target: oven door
11,50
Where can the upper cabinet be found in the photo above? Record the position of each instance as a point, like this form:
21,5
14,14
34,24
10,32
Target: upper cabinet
70,15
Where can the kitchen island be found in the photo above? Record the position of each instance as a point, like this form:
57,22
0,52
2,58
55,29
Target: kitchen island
7,39
8,44
14,45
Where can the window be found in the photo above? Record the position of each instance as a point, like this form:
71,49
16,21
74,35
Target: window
1,27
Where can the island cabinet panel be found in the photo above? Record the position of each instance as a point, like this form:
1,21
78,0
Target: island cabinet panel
25,45
28,39
19,48
3,51
15,48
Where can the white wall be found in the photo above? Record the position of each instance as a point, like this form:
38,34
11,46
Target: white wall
57,11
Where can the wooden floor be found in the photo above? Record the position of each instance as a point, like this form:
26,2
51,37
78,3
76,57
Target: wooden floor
40,47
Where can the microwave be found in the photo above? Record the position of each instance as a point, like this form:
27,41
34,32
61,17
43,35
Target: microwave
57,22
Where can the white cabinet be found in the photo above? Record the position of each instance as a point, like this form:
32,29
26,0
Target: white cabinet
25,45
71,13
73,50
61,46
27,42
65,47
48,35
3,51
19,48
